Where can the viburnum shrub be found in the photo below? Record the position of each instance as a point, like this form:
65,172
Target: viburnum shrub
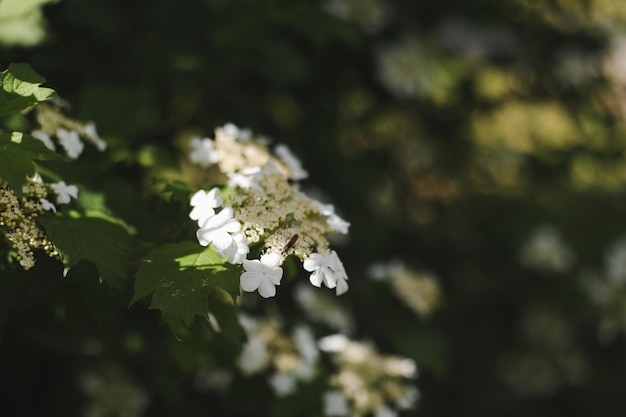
251,217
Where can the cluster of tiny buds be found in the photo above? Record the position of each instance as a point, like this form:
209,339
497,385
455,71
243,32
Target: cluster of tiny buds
18,221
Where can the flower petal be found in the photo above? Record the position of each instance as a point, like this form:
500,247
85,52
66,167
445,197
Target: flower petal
250,281
221,240
316,279
342,286
267,289
253,265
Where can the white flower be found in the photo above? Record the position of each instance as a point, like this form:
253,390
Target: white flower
217,230
47,205
335,222
91,133
615,261
335,404
270,168
254,356
305,343
333,343
244,179
546,250
204,203
296,172
232,131
71,142
327,268
385,411
44,137
409,399
237,251
263,274
282,383
64,192
203,152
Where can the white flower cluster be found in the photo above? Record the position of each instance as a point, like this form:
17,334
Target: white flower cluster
289,359
324,309
546,250
367,383
67,131
111,392
607,292
420,291
371,15
547,358
262,203
410,68
361,381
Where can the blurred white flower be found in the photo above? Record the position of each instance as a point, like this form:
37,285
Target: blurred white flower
321,307
234,132
254,356
64,192
615,261
385,411
546,250
70,141
48,206
333,343
282,383
203,152
91,133
336,404
44,137
296,172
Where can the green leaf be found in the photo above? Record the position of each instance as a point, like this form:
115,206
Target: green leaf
17,153
21,89
180,277
96,240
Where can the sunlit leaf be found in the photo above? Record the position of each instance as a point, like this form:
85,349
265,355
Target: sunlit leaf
180,277
21,88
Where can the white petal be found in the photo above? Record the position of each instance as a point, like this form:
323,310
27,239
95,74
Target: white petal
203,236
330,280
232,226
311,264
316,279
253,265
275,275
342,286
271,260
249,281
221,240
198,198
267,289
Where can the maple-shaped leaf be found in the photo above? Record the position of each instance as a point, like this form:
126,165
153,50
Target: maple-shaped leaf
107,245
180,277
17,155
20,88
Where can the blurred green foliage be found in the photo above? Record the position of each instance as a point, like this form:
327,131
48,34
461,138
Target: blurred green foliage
447,133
